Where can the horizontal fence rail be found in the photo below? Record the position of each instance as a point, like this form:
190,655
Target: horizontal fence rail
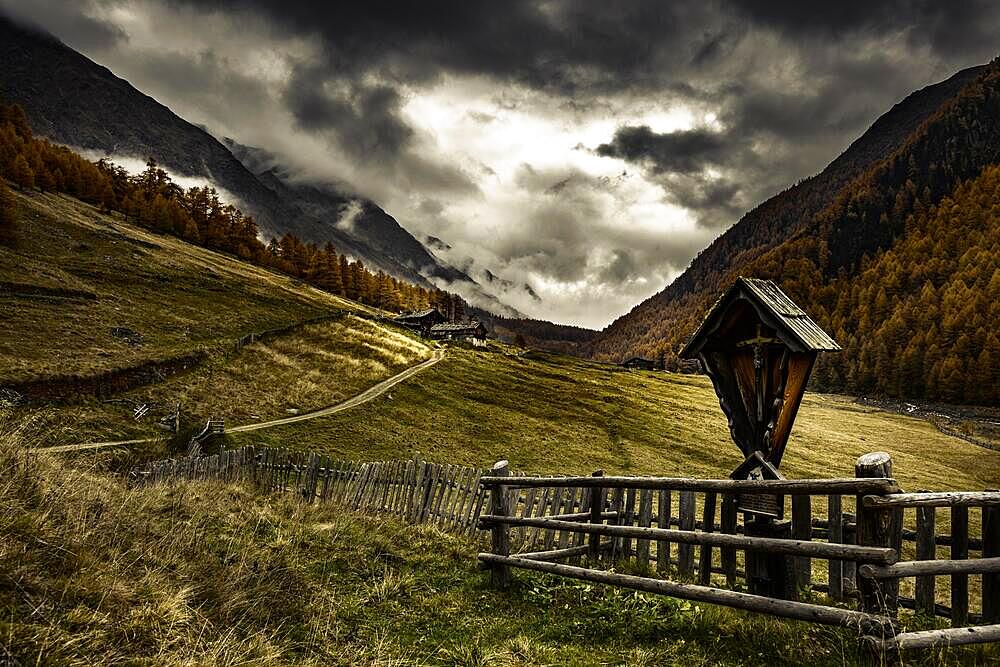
861,541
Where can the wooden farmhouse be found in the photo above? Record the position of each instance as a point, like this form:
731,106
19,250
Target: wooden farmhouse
474,331
639,363
420,321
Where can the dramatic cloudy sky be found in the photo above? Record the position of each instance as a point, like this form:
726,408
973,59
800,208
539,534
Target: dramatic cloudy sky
588,148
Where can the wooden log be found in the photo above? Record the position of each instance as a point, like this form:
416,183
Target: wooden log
705,552
500,539
939,499
879,555
835,568
914,568
937,638
556,554
685,554
784,608
991,549
802,530
728,527
926,551
959,551
663,521
875,530
815,487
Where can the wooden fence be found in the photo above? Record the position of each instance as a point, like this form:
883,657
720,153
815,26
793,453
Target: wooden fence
449,496
690,527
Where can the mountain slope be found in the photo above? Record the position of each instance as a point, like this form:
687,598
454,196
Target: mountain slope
826,226
74,101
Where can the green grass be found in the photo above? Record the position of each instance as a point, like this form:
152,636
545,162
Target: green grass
177,296
91,572
312,367
555,414
204,573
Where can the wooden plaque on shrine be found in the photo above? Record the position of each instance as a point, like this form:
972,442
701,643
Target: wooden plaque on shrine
759,504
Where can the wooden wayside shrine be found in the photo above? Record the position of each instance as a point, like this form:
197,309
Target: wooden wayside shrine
759,348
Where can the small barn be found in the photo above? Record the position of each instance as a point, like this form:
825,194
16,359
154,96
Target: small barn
420,321
474,331
639,363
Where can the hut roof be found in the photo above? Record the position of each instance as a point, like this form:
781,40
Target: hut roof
452,327
417,314
774,307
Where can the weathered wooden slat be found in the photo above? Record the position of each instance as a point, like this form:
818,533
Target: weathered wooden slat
597,495
554,508
784,608
685,554
991,549
628,519
663,521
939,499
959,551
926,551
617,506
728,526
835,534
802,530
645,519
807,487
868,554
705,552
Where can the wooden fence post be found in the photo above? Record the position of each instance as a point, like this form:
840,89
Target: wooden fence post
500,572
802,530
685,552
991,549
926,550
728,521
596,516
835,533
705,552
959,551
875,528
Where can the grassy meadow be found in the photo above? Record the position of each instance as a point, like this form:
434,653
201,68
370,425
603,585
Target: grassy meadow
71,275
556,414
198,573
212,574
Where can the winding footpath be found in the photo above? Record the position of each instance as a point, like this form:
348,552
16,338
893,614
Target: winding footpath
360,399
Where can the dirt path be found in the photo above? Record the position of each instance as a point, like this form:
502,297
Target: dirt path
365,396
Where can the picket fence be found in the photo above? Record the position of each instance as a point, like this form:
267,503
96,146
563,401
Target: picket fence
447,495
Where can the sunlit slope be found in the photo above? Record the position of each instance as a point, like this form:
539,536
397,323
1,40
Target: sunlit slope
549,413
71,275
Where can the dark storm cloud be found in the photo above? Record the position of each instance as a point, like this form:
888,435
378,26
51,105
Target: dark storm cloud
73,23
365,119
683,151
788,85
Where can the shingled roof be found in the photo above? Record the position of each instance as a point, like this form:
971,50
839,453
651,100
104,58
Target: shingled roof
774,307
